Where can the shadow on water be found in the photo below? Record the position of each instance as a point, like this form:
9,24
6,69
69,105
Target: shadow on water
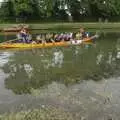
36,68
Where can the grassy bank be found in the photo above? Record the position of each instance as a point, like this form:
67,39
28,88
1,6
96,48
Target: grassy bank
49,113
68,25
76,26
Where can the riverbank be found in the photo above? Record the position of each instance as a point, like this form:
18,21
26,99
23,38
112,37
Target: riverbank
76,26
47,26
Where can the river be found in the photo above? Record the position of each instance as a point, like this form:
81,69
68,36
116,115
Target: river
84,80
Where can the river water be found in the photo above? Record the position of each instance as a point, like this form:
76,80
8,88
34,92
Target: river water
84,80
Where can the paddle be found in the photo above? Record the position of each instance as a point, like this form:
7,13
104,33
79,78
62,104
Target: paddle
9,41
90,38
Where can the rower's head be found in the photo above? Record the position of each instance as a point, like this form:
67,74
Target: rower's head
82,29
24,29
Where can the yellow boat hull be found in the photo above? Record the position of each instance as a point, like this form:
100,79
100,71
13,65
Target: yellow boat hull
40,45
31,45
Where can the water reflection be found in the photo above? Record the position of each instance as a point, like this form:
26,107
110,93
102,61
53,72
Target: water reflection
33,69
4,57
58,57
118,44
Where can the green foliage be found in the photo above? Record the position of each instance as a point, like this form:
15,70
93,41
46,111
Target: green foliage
46,7
106,8
6,10
22,7
60,9
75,8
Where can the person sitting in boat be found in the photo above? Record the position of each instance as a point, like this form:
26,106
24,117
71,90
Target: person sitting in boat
39,38
23,34
58,37
68,36
83,34
63,37
29,38
24,37
80,36
50,38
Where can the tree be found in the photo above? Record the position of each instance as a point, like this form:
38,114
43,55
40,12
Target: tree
60,9
6,10
105,8
23,8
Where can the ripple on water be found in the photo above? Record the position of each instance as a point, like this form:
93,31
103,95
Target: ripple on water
4,57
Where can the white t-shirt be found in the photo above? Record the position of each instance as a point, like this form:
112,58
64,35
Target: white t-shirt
76,42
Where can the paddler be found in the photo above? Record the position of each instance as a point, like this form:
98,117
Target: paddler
39,38
23,34
26,37
49,38
80,36
83,33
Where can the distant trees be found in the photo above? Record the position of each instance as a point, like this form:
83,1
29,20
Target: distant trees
59,9
6,10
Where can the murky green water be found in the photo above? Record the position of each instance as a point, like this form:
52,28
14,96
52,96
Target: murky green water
82,79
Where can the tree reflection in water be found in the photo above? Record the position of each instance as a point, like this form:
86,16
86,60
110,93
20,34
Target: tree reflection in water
35,69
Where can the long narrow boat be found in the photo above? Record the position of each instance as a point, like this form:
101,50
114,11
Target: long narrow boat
43,45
